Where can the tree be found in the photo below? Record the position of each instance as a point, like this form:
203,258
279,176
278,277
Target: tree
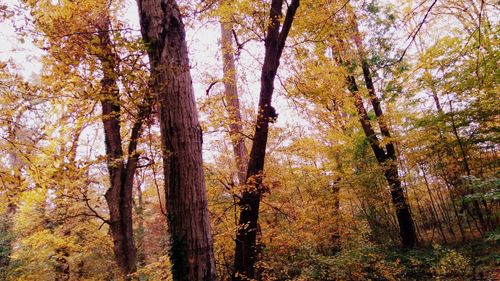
191,249
121,173
364,134
245,250
88,36
388,158
232,100
336,37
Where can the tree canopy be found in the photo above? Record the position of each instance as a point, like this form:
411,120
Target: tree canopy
249,140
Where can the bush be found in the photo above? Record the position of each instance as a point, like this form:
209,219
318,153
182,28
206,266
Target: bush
360,259
450,265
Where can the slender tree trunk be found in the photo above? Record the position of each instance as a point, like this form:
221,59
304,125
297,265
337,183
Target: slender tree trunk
444,210
455,210
406,225
121,171
388,162
433,205
233,102
191,248
449,153
422,216
139,210
465,161
387,159
336,245
119,195
377,108
245,250
434,92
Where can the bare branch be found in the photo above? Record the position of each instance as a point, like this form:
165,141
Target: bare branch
415,32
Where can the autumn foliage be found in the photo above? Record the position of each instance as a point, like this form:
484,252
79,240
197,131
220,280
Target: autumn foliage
249,140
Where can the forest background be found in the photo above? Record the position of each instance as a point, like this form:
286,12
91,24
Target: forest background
381,161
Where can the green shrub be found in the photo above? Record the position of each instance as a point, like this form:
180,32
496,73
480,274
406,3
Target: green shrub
451,265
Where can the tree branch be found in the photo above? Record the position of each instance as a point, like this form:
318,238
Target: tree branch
287,24
417,30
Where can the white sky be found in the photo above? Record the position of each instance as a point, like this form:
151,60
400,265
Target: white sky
203,45
24,54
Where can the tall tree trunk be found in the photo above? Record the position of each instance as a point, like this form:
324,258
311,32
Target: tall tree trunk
466,166
434,91
449,188
139,210
245,250
191,249
433,205
121,171
336,243
233,102
118,196
406,224
449,153
336,233
386,159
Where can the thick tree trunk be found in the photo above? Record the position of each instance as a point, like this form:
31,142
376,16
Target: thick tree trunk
233,102
245,250
191,251
405,220
119,195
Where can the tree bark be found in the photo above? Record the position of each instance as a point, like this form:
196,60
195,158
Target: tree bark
233,102
386,159
119,195
191,249
121,171
245,250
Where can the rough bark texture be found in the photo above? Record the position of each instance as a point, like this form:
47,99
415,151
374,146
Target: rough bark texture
233,102
121,172
245,250
119,195
191,251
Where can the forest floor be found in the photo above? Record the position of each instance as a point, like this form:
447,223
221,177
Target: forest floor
473,260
